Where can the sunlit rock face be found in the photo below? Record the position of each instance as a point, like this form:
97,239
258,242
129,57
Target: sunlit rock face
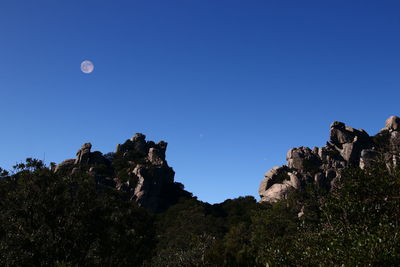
393,123
137,167
347,147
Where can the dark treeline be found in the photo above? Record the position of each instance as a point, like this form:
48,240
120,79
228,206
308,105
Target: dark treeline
50,219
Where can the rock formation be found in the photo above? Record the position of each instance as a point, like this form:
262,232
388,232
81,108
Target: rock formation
347,147
83,154
137,167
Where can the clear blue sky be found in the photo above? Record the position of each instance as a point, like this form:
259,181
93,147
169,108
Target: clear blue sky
230,85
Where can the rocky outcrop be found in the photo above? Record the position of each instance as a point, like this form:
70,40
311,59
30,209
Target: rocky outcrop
278,182
148,191
137,167
83,154
66,164
347,147
84,158
393,123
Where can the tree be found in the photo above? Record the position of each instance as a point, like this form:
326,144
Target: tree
48,218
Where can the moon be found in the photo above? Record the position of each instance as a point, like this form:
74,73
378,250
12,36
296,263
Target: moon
87,66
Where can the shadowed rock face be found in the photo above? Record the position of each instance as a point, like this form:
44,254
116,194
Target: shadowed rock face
347,147
137,167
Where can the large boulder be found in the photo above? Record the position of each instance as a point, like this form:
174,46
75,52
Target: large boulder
83,154
156,157
339,134
139,143
65,165
277,183
274,192
393,123
275,175
138,168
347,147
303,158
349,142
151,181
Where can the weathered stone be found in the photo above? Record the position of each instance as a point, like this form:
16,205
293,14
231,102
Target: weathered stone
339,136
276,175
139,143
155,156
303,158
118,148
150,184
83,154
138,137
66,164
277,182
275,193
393,123
294,181
395,140
349,152
296,156
348,147
337,125
323,153
141,171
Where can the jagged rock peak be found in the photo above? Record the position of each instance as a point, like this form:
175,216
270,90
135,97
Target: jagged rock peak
337,125
154,153
323,165
138,168
82,155
138,137
393,123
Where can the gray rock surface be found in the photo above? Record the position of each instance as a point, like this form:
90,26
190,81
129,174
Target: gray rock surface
347,147
393,123
156,157
138,168
83,154
66,164
151,182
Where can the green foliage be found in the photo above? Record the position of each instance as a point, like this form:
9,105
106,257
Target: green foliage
29,165
234,247
49,219
361,219
184,232
272,230
193,233
67,220
356,224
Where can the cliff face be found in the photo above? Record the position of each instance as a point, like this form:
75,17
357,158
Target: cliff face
137,167
347,147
